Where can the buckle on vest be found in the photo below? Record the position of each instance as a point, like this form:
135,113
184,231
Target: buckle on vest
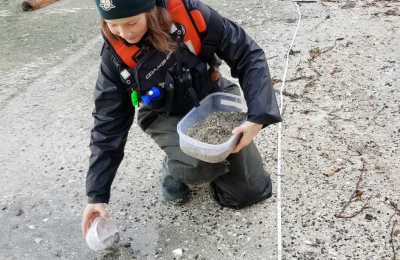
139,54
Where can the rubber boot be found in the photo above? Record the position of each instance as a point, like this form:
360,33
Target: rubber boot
174,192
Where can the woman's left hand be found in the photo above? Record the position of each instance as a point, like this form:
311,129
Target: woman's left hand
249,130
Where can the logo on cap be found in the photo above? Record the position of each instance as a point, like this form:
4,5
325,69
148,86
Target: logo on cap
107,5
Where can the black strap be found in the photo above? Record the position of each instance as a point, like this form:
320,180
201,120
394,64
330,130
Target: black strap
194,97
140,53
214,35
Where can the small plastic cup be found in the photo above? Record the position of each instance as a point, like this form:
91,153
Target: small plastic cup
99,232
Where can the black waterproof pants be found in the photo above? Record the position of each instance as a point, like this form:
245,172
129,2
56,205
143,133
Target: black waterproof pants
236,182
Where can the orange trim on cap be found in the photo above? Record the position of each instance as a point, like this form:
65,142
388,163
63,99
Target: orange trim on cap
199,20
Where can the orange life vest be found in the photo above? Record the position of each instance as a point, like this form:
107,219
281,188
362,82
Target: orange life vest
181,15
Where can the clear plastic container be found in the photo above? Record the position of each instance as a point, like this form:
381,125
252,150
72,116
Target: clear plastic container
217,102
99,232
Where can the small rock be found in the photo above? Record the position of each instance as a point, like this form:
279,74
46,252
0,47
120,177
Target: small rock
315,190
38,240
349,5
318,241
369,217
45,220
19,212
31,227
391,12
58,253
178,252
311,243
333,253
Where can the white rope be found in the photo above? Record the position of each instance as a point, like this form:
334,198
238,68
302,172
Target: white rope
278,188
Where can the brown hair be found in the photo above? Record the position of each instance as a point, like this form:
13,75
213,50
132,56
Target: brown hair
159,22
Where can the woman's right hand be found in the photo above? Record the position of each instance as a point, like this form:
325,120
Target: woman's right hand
91,212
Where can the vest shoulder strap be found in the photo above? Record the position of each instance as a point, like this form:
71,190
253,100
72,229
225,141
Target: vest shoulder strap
180,14
214,35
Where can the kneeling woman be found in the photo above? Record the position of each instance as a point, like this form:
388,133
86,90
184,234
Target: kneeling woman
165,55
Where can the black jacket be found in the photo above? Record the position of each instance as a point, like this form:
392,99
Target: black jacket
114,112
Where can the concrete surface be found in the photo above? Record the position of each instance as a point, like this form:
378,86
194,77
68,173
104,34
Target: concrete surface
346,107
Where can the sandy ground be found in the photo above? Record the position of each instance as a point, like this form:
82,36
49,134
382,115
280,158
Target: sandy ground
341,127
